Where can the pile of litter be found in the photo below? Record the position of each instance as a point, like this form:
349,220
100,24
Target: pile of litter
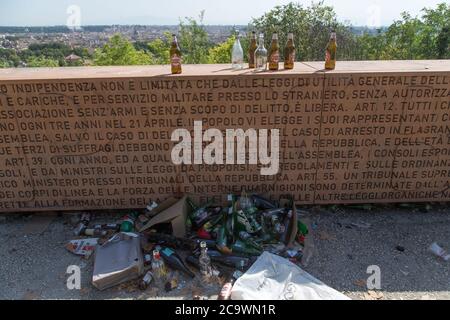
249,242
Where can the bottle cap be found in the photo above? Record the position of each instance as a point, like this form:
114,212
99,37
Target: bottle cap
275,36
290,35
203,244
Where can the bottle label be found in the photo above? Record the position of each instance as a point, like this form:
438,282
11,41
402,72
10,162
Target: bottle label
292,57
175,60
275,58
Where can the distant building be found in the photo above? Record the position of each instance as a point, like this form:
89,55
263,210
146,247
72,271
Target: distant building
72,58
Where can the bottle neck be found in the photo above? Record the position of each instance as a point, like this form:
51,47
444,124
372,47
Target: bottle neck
261,42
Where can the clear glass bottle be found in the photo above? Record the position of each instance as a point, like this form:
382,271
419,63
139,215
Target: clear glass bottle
159,268
261,55
204,261
237,54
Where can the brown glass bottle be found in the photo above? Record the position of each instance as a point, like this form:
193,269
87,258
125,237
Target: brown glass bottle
289,52
274,53
330,55
251,51
175,56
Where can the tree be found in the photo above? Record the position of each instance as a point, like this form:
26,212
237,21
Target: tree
311,27
37,62
120,52
443,44
160,50
221,53
193,40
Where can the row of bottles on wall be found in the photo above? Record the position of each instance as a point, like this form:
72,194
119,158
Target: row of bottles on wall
259,58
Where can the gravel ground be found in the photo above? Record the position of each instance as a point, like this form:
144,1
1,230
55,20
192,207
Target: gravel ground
33,266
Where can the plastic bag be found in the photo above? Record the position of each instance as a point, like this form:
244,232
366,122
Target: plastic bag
272,277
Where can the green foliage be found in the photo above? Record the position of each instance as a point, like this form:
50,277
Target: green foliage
120,52
414,38
222,52
311,27
160,50
193,40
37,62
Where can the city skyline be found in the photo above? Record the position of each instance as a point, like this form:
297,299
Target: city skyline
372,13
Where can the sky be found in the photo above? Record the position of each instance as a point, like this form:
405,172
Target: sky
226,12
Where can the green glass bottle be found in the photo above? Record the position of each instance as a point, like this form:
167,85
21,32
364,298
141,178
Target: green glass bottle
241,247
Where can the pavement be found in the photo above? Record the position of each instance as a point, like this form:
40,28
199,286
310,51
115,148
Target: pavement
345,242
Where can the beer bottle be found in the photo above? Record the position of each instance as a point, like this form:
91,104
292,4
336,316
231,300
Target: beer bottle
274,53
330,54
251,51
175,56
225,292
289,52
241,247
175,262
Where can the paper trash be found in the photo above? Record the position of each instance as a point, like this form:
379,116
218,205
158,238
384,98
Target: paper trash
118,260
172,210
272,277
82,247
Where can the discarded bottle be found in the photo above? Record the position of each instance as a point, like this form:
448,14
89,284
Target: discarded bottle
262,203
330,52
128,222
84,222
108,226
241,247
175,56
158,267
261,55
147,259
289,52
274,53
271,212
146,280
172,284
198,213
204,261
439,251
237,54
277,226
287,227
251,51
225,292
247,239
95,232
194,261
175,262
232,261
221,241
204,215
245,202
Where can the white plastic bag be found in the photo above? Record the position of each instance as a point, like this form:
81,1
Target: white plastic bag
272,277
